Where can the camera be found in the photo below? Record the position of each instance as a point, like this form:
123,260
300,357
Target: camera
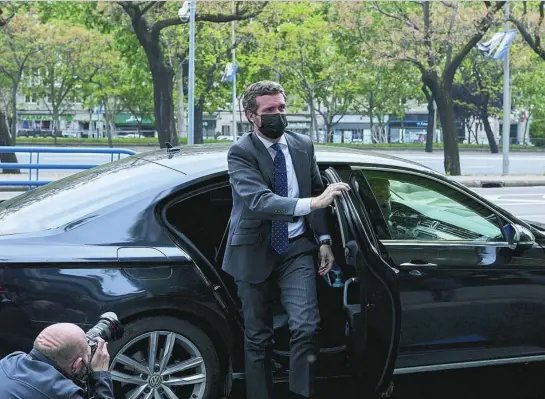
108,327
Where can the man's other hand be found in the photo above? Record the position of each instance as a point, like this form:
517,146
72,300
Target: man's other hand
101,358
326,260
329,194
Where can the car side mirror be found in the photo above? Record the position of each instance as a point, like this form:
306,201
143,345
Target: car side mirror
520,236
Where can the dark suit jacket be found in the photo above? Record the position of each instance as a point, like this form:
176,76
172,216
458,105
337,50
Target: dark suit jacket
249,256
39,378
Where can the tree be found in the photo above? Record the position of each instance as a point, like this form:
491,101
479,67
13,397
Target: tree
148,22
18,44
68,52
111,83
528,86
7,12
294,42
477,93
379,91
528,17
434,37
148,33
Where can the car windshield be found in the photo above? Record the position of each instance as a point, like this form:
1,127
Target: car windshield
77,196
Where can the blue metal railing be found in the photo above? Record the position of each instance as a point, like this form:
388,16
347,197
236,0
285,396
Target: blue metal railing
37,166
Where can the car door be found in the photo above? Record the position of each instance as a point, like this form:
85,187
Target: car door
375,315
469,293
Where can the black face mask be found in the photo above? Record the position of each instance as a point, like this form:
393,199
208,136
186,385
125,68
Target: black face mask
273,125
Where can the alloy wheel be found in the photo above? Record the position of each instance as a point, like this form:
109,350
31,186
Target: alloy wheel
160,364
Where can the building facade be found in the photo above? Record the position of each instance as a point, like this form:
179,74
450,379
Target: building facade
35,119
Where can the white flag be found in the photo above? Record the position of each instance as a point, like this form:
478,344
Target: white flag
488,47
503,48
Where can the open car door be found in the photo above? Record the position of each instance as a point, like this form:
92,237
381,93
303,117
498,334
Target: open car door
371,298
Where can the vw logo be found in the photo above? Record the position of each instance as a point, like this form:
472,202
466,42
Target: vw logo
155,381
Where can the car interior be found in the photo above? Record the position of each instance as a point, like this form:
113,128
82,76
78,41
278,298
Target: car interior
208,232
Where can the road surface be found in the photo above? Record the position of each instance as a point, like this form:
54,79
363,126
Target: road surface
480,162
471,162
523,202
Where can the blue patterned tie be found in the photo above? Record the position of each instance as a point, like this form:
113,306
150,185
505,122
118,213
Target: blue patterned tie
279,233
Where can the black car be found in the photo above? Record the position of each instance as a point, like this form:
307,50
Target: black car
431,276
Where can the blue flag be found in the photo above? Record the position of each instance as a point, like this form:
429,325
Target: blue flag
503,48
500,42
230,72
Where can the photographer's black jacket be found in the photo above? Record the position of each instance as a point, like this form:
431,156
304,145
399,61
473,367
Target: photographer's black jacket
35,376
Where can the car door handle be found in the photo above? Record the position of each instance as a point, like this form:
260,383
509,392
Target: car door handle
411,264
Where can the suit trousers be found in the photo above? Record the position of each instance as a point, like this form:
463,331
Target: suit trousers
296,279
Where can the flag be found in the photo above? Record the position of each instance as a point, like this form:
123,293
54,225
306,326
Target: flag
500,42
230,72
488,47
503,48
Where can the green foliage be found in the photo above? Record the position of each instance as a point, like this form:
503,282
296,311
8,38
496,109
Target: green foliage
537,132
528,90
339,57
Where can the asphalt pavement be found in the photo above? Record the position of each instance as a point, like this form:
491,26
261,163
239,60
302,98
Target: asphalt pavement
471,162
523,202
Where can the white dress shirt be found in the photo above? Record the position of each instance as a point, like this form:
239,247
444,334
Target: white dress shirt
302,207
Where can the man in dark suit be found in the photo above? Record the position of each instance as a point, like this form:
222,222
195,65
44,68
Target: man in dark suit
278,222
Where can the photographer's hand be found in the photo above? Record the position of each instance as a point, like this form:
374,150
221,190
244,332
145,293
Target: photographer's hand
101,358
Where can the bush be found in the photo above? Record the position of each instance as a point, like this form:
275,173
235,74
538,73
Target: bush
537,132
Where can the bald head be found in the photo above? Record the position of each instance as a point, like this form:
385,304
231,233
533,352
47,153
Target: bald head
64,343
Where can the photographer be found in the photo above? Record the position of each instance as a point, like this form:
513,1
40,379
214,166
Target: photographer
55,367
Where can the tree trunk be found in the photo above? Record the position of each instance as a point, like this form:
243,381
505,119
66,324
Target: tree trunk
56,123
488,129
199,109
374,137
5,140
14,115
329,132
429,129
161,75
107,119
445,108
526,126
467,125
314,121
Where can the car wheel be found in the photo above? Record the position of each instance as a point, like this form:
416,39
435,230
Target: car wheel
164,357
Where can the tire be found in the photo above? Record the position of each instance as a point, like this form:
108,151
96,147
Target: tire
129,360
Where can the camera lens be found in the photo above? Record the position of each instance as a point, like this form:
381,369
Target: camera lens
108,327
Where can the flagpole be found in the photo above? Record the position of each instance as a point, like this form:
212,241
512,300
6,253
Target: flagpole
506,101
191,88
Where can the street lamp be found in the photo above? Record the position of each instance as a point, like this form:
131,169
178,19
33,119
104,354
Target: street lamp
187,11
183,12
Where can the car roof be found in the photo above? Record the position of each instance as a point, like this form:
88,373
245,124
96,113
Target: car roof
206,159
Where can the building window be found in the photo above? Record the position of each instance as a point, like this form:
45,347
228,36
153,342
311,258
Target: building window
30,99
226,130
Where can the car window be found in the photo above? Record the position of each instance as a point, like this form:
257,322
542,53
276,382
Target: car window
419,208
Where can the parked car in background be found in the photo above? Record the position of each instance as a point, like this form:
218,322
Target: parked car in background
434,276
